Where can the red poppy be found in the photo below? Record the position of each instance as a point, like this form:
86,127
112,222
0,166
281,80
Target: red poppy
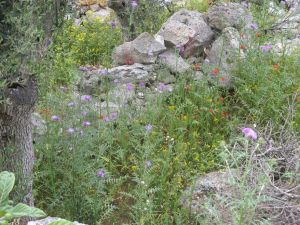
215,71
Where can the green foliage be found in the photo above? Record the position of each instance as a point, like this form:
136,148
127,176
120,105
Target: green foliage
198,5
148,16
7,211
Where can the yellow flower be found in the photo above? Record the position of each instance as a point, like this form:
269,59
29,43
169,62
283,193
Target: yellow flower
172,107
133,168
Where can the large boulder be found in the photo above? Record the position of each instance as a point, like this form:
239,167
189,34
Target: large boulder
211,188
187,30
223,54
94,81
230,14
174,62
144,49
288,47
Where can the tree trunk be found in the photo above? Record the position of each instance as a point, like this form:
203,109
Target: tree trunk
16,147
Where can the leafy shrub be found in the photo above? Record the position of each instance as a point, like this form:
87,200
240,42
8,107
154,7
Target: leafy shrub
9,212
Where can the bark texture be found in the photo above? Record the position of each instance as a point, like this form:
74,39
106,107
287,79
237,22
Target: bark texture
16,147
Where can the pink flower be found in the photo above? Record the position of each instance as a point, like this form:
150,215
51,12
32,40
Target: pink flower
86,123
249,133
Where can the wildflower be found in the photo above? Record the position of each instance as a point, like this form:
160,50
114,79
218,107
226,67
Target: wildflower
265,48
224,114
84,113
106,119
130,87
222,79
114,115
70,130
86,123
71,104
134,4
243,47
215,71
257,34
55,118
161,87
142,85
148,128
249,133
148,164
101,173
112,23
276,66
254,26
86,98
298,100
197,66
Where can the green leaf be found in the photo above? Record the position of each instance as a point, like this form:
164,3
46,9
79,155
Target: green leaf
7,181
24,210
61,222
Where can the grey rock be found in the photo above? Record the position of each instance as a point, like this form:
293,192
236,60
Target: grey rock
288,47
229,15
48,220
131,73
290,23
224,53
95,82
144,49
174,62
210,188
187,29
39,125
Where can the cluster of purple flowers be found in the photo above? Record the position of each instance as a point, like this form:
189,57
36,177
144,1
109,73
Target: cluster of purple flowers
134,4
249,133
113,116
164,87
265,48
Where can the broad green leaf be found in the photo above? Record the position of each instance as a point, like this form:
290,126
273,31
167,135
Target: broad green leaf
7,181
24,210
61,222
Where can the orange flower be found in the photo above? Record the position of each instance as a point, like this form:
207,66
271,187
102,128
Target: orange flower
243,47
298,100
276,67
224,114
211,111
257,34
215,71
197,66
222,79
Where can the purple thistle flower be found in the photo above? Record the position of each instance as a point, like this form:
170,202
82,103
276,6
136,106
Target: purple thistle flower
142,85
130,87
249,133
161,87
71,104
112,23
86,98
101,173
84,113
265,48
86,123
70,130
254,26
55,118
114,116
106,119
134,4
148,128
